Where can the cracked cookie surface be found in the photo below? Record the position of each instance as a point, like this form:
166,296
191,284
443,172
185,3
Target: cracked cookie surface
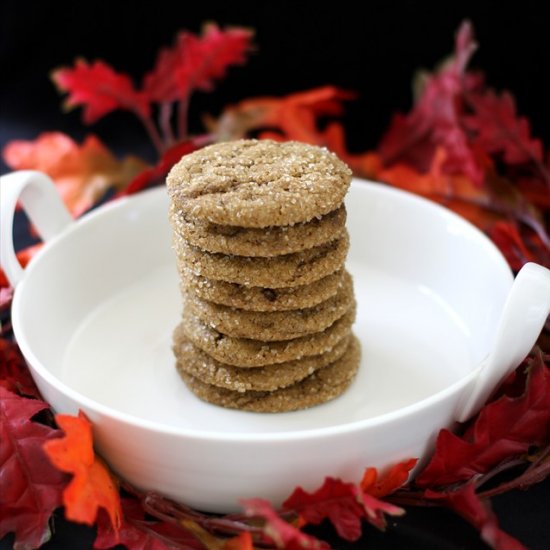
258,183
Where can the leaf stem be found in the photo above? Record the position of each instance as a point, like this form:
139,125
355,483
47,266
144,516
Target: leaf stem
165,114
406,497
503,467
528,478
183,118
153,133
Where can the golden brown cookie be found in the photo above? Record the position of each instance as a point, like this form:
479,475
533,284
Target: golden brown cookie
267,241
257,298
242,352
258,183
323,385
193,361
276,325
290,270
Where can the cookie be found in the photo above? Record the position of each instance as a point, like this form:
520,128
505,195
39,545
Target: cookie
242,352
269,241
276,325
323,385
290,270
191,360
256,298
258,183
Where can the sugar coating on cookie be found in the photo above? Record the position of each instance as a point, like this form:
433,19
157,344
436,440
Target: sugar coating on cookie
194,361
289,270
257,298
258,183
243,352
260,242
276,325
321,386
269,241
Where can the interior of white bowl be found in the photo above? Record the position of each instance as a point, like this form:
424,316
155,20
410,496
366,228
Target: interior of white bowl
96,309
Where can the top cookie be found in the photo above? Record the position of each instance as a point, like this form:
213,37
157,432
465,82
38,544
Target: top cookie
258,183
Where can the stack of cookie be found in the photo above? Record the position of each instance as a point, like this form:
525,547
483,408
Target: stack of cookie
260,241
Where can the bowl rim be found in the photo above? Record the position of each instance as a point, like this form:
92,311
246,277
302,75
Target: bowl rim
108,412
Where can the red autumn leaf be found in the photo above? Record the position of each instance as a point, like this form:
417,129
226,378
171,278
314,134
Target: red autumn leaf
293,117
30,487
467,504
195,62
92,486
14,374
380,486
376,510
338,501
435,120
504,428
498,129
506,236
344,504
157,174
82,173
100,90
283,534
136,532
494,208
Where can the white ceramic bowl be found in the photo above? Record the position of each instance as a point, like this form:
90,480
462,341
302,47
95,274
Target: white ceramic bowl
439,317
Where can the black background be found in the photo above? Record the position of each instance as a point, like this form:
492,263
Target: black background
372,47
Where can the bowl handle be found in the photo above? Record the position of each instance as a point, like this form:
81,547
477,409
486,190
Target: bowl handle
42,203
522,319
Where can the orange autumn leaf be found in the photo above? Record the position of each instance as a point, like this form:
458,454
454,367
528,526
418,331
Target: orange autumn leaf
291,117
92,486
82,173
241,542
380,486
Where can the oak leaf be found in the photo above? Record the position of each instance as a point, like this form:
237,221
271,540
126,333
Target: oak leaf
195,62
380,486
436,121
293,117
14,373
336,500
138,532
504,428
344,504
30,487
82,173
92,486
498,129
99,89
